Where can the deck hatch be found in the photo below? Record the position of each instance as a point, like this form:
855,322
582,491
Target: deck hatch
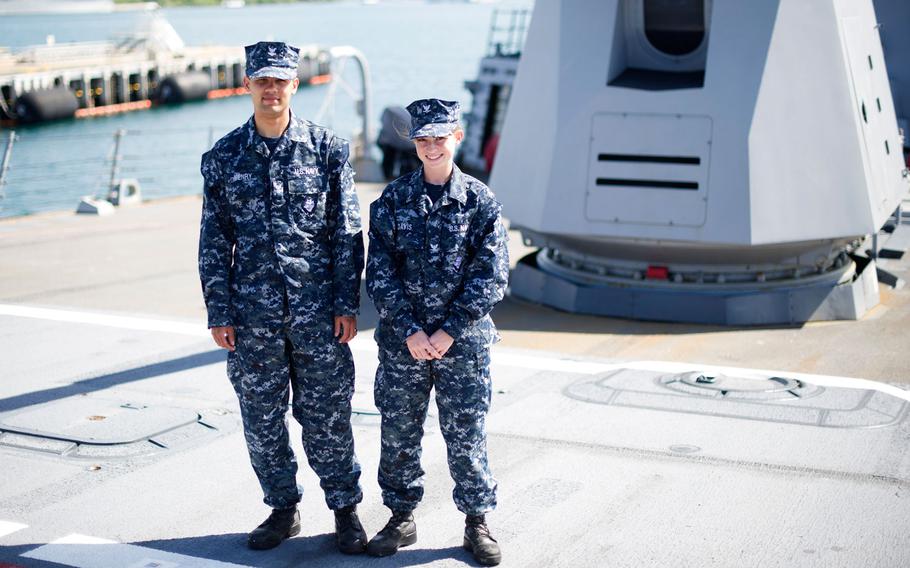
86,426
763,398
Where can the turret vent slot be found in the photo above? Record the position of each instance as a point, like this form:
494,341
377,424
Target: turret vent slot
648,159
648,183
694,160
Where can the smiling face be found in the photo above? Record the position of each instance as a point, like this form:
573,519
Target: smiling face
438,153
271,96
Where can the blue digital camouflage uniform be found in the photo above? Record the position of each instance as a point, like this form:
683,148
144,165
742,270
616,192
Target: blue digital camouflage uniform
281,254
431,266
272,59
433,117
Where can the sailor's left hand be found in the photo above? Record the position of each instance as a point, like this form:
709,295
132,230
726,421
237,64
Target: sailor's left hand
345,328
441,341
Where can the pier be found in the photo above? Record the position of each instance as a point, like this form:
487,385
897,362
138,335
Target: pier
53,81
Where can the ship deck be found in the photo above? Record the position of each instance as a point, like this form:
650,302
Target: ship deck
602,457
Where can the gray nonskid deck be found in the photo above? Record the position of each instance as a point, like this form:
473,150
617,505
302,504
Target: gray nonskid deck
587,477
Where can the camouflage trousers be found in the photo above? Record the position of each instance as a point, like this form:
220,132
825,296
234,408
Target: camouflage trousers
402,392
264,368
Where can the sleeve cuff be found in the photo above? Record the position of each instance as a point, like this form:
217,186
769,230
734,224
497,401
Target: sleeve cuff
347,310
457,322
218,319
404,325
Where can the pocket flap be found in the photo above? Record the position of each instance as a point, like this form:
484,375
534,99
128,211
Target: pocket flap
306,184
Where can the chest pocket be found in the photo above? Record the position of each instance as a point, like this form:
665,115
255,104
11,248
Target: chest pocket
245,193
307,200
447,240
409,238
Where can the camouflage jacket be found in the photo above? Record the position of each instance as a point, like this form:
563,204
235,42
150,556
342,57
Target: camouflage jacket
281,240
436,266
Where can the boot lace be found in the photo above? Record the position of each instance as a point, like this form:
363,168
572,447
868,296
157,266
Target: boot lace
397,519
478,527
346,518
279,517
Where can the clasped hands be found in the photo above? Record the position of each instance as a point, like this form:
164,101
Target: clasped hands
421,346
426,348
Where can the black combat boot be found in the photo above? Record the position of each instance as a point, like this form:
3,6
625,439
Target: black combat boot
349,533
477,539
281,524
399,531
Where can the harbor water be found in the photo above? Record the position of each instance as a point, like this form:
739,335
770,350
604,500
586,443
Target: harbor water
414,50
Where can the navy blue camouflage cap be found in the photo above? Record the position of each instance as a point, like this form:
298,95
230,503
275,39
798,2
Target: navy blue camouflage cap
433,117
272,59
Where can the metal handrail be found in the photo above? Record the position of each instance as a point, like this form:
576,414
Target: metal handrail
508,29
340,56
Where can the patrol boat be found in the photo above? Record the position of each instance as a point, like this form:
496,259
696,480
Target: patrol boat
491,89
615,442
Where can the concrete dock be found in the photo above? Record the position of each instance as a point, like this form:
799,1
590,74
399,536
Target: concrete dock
605,453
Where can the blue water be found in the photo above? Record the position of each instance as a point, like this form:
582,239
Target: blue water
414,50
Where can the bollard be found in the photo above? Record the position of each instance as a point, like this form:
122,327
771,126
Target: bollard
125,192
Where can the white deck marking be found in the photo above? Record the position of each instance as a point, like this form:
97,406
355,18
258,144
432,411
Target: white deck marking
545,363
90,552
763,374
365,343
542,363
122,322
9,527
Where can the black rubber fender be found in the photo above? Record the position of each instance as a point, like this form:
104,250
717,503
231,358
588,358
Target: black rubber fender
183,87
46,104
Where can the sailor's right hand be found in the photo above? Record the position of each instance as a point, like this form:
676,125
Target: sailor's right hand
224,337
420,347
